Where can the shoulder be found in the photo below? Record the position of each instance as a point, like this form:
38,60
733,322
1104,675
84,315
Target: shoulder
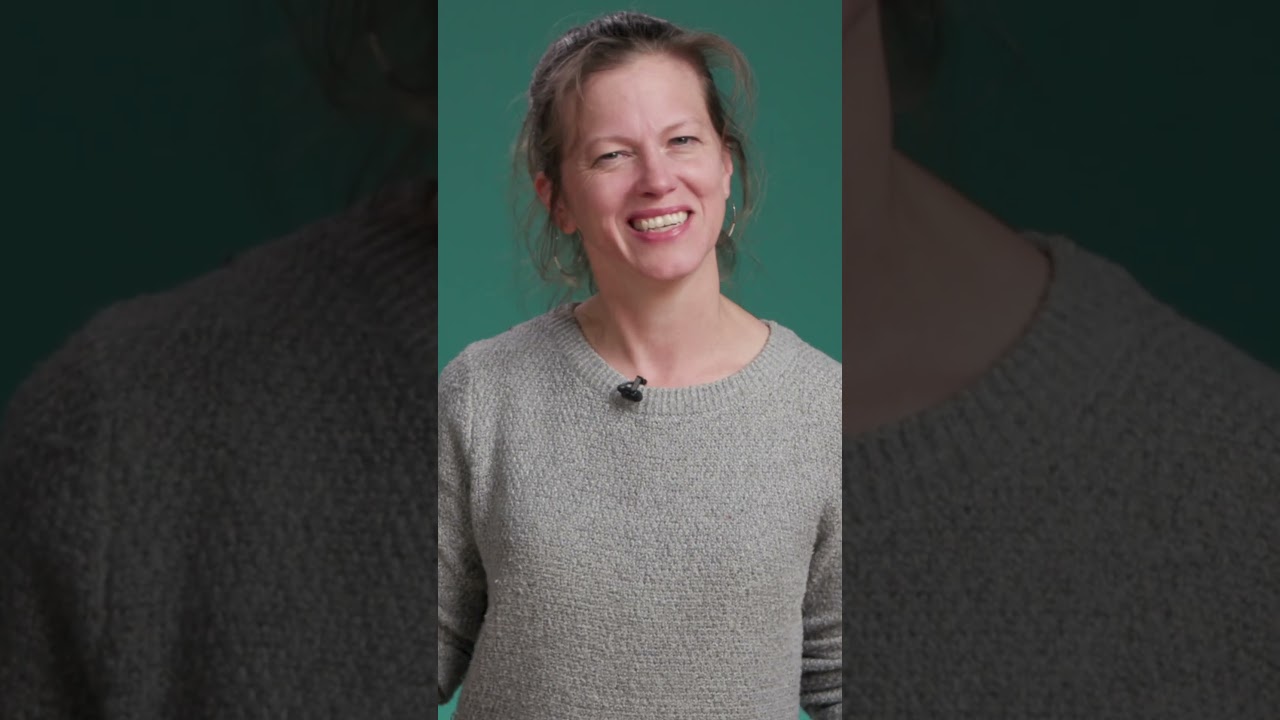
810,381
521,351
1155,375
808,363
1207,380
815,365
306,311
1185,387
340,268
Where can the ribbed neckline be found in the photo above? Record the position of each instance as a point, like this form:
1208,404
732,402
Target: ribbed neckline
1023,402
754,382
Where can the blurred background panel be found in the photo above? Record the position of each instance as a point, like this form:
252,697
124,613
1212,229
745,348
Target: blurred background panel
1145,131
146,142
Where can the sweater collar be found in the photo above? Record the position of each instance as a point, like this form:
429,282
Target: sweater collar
1024,404
753,383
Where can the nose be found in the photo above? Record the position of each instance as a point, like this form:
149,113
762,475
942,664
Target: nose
657,174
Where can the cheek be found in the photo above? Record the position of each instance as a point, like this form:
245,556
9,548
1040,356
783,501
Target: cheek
598,199
713,182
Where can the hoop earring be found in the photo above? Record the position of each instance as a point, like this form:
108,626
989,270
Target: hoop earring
556,241
734,222
570,278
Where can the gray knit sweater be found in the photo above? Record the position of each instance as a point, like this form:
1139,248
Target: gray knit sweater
1091,531
218,501
673,558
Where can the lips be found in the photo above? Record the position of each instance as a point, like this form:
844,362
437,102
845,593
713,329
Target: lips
660,222
655,219
655,212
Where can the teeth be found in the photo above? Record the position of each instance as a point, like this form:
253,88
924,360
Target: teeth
660,222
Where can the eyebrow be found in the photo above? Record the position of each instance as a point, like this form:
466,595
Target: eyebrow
619,138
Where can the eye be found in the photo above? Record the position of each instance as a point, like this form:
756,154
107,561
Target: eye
609,156
684,140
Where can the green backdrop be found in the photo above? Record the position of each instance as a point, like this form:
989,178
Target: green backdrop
789,270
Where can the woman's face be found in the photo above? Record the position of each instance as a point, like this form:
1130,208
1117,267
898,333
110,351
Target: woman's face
645,177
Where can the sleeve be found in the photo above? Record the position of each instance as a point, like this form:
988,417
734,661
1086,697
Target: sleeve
52,544
822,661
462,582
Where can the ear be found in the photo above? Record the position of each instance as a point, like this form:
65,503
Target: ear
560,214
726,158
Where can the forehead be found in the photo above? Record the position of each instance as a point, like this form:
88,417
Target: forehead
645,89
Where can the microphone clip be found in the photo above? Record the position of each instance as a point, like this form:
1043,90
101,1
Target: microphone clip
631,389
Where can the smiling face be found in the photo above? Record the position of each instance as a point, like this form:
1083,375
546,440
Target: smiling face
645,176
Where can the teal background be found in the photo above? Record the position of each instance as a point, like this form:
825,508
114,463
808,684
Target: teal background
789,269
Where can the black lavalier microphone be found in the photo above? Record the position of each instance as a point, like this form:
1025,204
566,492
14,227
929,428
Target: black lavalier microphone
631,389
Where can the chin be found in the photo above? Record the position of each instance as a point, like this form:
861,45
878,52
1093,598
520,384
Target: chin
675,269
665,276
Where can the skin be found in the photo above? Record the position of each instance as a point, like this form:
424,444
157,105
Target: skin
936,289
642,138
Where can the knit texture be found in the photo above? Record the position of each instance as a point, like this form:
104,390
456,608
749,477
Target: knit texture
219,501
1090,531
675,557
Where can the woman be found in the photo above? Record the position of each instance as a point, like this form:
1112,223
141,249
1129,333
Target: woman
1060,495
639,499
219,500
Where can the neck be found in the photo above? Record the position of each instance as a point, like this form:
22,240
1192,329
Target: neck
935,289
879,244
878,253
679,335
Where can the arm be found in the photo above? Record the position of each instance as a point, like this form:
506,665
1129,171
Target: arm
822,662
52,543
463,588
